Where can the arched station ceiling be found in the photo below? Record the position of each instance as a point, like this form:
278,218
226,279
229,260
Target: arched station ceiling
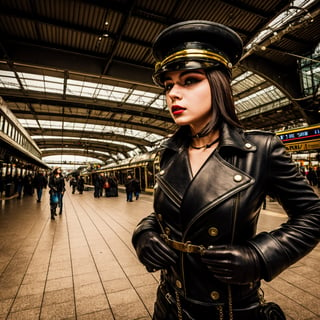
77,74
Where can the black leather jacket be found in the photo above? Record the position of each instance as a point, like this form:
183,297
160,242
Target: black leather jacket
221,205
56,184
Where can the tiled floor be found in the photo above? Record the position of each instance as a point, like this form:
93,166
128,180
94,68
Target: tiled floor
82,265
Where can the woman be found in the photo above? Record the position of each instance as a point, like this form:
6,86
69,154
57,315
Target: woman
214,178
57,189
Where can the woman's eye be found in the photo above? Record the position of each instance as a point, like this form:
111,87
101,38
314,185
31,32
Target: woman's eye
184,83
190,81
168,87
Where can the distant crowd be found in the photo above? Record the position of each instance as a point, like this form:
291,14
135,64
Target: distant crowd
312,174
104,185
23,184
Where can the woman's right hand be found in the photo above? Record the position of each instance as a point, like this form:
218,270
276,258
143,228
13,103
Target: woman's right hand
153,252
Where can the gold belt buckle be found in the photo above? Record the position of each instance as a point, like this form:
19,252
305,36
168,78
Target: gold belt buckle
187,247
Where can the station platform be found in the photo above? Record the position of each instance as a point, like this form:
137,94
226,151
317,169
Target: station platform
82,265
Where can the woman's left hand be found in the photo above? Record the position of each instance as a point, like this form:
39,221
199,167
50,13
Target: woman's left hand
233,264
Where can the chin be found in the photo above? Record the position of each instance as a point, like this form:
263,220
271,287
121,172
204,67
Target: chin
181,122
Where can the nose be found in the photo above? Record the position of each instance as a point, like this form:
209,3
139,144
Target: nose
175,92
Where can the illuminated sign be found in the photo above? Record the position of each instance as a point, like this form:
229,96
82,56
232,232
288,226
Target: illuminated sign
300,135
302,146
301,139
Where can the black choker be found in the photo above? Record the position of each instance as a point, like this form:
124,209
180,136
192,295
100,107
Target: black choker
200,135
206,146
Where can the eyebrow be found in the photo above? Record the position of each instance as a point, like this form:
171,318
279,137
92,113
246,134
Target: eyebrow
186,72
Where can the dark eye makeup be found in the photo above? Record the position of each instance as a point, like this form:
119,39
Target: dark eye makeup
185,79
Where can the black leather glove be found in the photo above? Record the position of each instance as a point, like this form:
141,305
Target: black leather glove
153,252
233,264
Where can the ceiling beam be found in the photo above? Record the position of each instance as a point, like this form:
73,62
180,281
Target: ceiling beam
287,80
89,104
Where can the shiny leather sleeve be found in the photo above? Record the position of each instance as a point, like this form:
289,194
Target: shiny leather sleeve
295,238
148,223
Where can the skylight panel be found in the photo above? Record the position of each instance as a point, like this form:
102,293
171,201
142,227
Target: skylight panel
246,81
259,98
81,88
53,87
46,84
61,150
71,158
8,80
33,85
84,140
31,123
242,77
159,103
141,97
260,109
54,124
74,126
113,93
30,81
87,92
154,137
5,73
74,90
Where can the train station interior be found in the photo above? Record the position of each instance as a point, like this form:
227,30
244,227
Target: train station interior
76,92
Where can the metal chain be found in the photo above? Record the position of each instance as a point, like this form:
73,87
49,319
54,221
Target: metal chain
230,303
178,305
261,296
220,310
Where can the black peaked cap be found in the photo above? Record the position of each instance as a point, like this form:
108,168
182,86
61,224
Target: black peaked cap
206,43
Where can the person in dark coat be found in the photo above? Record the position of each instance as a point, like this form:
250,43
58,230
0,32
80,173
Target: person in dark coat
20,182
136,188
312,177
57,190
98,184
73,184
28,184
40,182
213,179
80,185
113,189
129,188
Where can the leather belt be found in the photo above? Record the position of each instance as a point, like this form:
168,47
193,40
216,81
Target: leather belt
183,246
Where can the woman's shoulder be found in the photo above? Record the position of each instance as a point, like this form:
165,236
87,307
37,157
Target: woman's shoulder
258,132
263,138
259,135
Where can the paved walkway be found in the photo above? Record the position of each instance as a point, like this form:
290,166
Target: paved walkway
82,265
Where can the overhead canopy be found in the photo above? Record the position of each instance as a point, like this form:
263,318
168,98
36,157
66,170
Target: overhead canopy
77,74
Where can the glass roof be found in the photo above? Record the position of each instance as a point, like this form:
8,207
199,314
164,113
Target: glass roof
295,8
87,127
253,94
263,95
83,140
70,163
48,84
61,151
86,89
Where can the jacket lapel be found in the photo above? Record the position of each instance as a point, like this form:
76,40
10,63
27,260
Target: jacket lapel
175,178
215,182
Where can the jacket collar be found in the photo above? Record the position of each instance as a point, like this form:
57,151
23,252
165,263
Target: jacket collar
229,137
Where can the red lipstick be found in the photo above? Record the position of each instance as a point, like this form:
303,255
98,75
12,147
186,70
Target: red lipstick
176,109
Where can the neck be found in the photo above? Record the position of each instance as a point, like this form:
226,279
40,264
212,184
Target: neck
205,143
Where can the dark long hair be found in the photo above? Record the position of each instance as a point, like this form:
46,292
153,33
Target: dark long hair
223,108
